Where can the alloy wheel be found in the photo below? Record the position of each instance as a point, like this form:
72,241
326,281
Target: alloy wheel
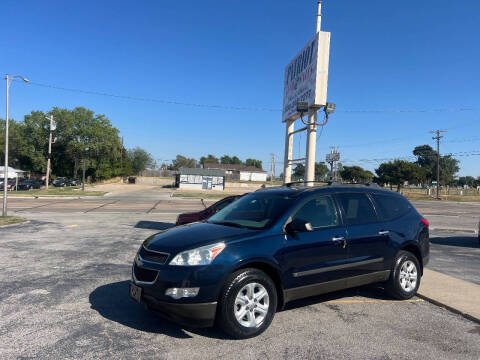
251,305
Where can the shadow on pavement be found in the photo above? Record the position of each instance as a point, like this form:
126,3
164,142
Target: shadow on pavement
113,302
462,241
374,292
154,225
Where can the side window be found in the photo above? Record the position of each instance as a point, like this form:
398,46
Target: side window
319,211
357,208
391,207
223,204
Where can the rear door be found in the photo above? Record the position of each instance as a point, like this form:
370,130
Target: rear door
367,240
314,256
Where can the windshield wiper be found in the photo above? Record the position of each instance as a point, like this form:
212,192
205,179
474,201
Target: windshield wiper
229,223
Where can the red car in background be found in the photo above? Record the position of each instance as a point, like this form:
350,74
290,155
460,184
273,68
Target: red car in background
204,214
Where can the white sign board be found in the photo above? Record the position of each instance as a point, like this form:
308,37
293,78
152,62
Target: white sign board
306,77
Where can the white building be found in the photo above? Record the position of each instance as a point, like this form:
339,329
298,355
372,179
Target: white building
239,171
12,173
198,178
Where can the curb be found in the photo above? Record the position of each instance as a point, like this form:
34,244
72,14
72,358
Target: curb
473,231
16,224
449,308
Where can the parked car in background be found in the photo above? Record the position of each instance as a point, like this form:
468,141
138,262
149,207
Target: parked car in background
73,182
277,245
60,182
30,184
204,214
11,184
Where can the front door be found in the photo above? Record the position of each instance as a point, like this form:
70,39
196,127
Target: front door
315,256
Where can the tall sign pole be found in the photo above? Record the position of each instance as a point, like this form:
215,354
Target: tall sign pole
306,78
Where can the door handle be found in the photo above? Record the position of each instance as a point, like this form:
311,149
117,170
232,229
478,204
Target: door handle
384,232
340,239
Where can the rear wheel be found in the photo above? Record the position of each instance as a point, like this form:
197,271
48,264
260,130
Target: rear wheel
405,278
247,304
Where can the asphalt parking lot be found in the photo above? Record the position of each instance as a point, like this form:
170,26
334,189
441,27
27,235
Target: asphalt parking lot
64,294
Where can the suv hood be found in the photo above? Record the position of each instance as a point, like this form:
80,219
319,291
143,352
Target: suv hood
190,236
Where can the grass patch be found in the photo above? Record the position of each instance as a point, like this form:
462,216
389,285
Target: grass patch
200,195
459,198
67,191
10,220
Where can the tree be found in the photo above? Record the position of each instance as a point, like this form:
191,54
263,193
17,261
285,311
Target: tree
397,172
427,159
209,159
139,159
320,171
80,134
225,159
448,168
298,172
182,162
254,162
356,174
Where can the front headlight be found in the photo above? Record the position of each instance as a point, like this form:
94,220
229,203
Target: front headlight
200,256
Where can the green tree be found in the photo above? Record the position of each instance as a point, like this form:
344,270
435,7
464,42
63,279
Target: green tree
182,162
209,159
139,159
356,174
427,159
254,162
226,159
320,171
397,172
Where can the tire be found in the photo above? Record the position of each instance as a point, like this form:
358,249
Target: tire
236,299
404,280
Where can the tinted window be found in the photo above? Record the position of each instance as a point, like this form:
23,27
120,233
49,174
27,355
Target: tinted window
256,210
357,208
391,207
319,212
222,204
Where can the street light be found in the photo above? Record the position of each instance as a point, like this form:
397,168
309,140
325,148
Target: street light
5,174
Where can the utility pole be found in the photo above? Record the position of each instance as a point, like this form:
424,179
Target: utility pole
47,176
8,79
272,168
438,137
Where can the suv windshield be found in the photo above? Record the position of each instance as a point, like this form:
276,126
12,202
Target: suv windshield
255,211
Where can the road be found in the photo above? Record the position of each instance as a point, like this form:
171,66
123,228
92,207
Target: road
63,294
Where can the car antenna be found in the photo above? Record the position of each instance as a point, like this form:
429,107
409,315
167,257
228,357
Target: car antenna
203,203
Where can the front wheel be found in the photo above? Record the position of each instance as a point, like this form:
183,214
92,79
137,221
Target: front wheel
247,304
405,278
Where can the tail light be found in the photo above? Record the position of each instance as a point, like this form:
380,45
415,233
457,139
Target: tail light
425,222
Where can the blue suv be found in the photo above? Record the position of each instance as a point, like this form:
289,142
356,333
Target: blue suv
277,245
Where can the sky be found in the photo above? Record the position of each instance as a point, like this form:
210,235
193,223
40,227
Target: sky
397,71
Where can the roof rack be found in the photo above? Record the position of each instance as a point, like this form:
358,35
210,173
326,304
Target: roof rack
290,184
336,183
332,183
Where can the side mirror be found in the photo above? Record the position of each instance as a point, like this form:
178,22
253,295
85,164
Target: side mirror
298,225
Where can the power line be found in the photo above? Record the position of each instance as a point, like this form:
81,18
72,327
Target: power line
240,108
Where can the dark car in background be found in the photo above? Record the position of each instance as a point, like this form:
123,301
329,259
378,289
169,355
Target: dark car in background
277,245
204,214
73,182
60,182
30,184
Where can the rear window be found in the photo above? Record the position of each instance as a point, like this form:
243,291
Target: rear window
391,207
357,208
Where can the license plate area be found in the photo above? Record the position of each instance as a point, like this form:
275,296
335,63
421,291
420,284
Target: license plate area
136,292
